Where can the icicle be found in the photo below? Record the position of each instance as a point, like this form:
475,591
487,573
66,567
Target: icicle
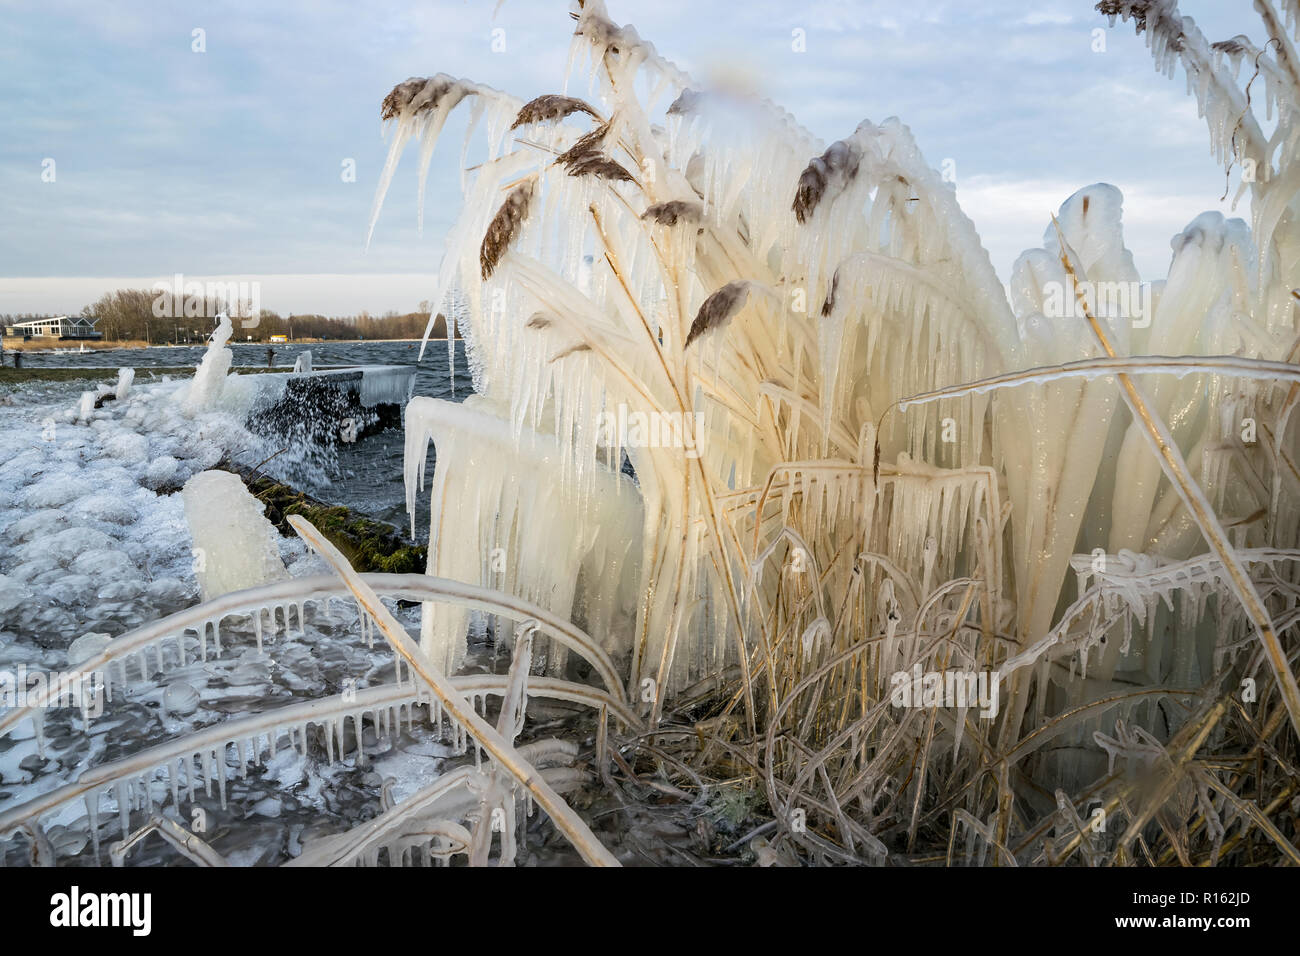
122,795
189,777
219,758
92,817
209,771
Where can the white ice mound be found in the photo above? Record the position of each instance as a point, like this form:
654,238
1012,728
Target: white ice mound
235,547
303,364
210,380
87,646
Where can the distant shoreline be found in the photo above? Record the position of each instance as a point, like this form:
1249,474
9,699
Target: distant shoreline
74,345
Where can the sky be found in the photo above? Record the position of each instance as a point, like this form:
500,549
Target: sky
128,155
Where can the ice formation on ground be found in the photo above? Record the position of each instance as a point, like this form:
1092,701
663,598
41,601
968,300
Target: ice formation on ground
235,547
208,386
94,544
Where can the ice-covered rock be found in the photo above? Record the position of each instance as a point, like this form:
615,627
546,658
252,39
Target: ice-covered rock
13,595
37,525
103,563
204,454
72,544
235,547
55,490
126,445
167,592
29,570
180,699
68,589
107,506
119,591
86,647
161,471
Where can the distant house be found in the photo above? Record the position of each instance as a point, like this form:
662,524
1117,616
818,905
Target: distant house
279,338
57,327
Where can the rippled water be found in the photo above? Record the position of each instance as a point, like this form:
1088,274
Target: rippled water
367,475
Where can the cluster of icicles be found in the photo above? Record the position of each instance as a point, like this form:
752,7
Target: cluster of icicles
699,258
205,762
642,245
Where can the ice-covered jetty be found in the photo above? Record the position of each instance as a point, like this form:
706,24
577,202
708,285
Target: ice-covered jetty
321,404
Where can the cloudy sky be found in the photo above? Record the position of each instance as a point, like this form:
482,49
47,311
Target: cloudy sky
228,162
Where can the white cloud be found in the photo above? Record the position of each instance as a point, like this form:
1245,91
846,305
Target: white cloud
1013,216
228,161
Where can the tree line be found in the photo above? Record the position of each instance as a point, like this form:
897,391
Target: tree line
127,315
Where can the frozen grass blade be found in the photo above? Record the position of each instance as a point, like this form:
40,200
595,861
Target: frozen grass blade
565,819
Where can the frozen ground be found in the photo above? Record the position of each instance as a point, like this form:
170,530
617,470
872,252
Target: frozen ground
93,540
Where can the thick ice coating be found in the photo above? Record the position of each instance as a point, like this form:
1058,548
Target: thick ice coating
235,547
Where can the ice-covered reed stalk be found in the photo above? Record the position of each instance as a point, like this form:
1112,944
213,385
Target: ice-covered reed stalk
485,735
189,845
1166,451
885,462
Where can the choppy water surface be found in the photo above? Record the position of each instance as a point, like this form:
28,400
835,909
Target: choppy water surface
367,475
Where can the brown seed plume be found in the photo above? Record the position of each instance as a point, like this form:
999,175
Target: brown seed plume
674,211
571,350
718,309
1135,9
419,94
829,173
504,226
586,145
600,166
551,107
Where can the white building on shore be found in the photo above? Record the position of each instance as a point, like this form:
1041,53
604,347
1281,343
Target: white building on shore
58,327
